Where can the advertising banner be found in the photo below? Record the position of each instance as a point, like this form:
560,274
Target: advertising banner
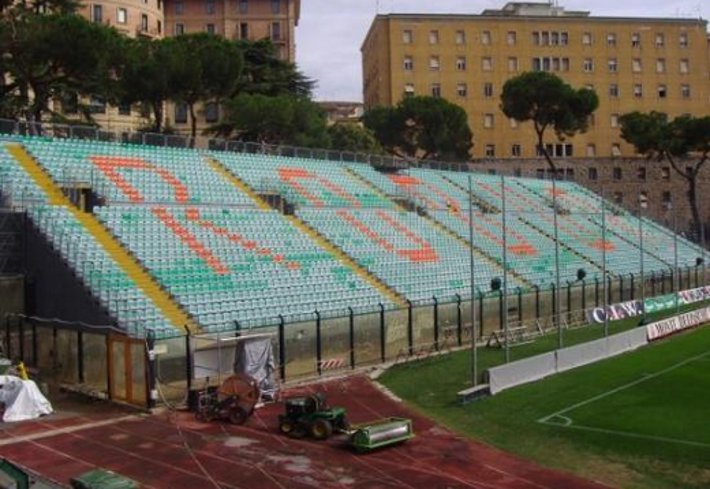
672,325
615,311
660,303
650,305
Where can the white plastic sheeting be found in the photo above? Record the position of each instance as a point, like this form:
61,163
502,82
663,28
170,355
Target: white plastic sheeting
540,366
222,356
627,341
255,357
22,399
582,354
521,372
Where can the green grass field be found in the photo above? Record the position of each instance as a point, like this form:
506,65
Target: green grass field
641,420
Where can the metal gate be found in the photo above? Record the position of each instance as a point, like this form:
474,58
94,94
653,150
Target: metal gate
127,369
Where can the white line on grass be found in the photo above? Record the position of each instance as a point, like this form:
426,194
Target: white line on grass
623,387
564,420
630,434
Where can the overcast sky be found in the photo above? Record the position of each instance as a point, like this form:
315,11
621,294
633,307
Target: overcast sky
330,32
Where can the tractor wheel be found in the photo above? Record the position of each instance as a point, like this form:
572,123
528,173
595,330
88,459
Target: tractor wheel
321,429
292,430
237,415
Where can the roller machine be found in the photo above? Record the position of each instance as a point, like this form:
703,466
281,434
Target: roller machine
311,415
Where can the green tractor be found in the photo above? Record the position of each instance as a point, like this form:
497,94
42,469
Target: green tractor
311,415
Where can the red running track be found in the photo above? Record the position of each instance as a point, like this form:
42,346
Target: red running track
173,451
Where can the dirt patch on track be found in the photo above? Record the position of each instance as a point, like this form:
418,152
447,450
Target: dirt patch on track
175,451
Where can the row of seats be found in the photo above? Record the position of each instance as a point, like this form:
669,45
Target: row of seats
92,264
656,240
247,265
127,173
490,189
530,253
16,186
309,183
224,260
586,238
404,250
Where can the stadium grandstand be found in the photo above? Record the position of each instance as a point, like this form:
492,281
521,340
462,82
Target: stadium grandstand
183,237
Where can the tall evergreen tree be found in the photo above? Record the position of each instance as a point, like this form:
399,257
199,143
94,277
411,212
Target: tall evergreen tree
549,103
47,55
685,137
422,127
151,68
208,69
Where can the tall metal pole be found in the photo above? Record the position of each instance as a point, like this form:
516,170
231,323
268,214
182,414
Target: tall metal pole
505,273
702,245
676,273
643,277
557,261
474,351
606,291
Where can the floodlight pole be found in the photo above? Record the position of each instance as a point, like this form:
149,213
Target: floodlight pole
557,260
702,251
604,277
676,272
505,273
474,351
643,277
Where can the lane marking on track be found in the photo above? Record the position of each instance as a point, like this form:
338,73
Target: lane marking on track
644,378
284,475
150,461
65,430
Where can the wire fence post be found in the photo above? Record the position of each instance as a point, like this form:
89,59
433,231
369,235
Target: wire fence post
282,348
152,394
188,359
351,335
458,320
410,329
319,344
436,323
79,355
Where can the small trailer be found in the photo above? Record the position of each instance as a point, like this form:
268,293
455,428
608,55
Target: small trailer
310,415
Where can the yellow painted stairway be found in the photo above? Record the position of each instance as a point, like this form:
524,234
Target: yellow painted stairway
322,241
334,250
162,300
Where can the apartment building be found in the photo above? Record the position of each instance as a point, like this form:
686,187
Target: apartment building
642,64
237,19
234,19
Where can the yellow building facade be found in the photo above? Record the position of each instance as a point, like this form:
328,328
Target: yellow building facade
641,64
